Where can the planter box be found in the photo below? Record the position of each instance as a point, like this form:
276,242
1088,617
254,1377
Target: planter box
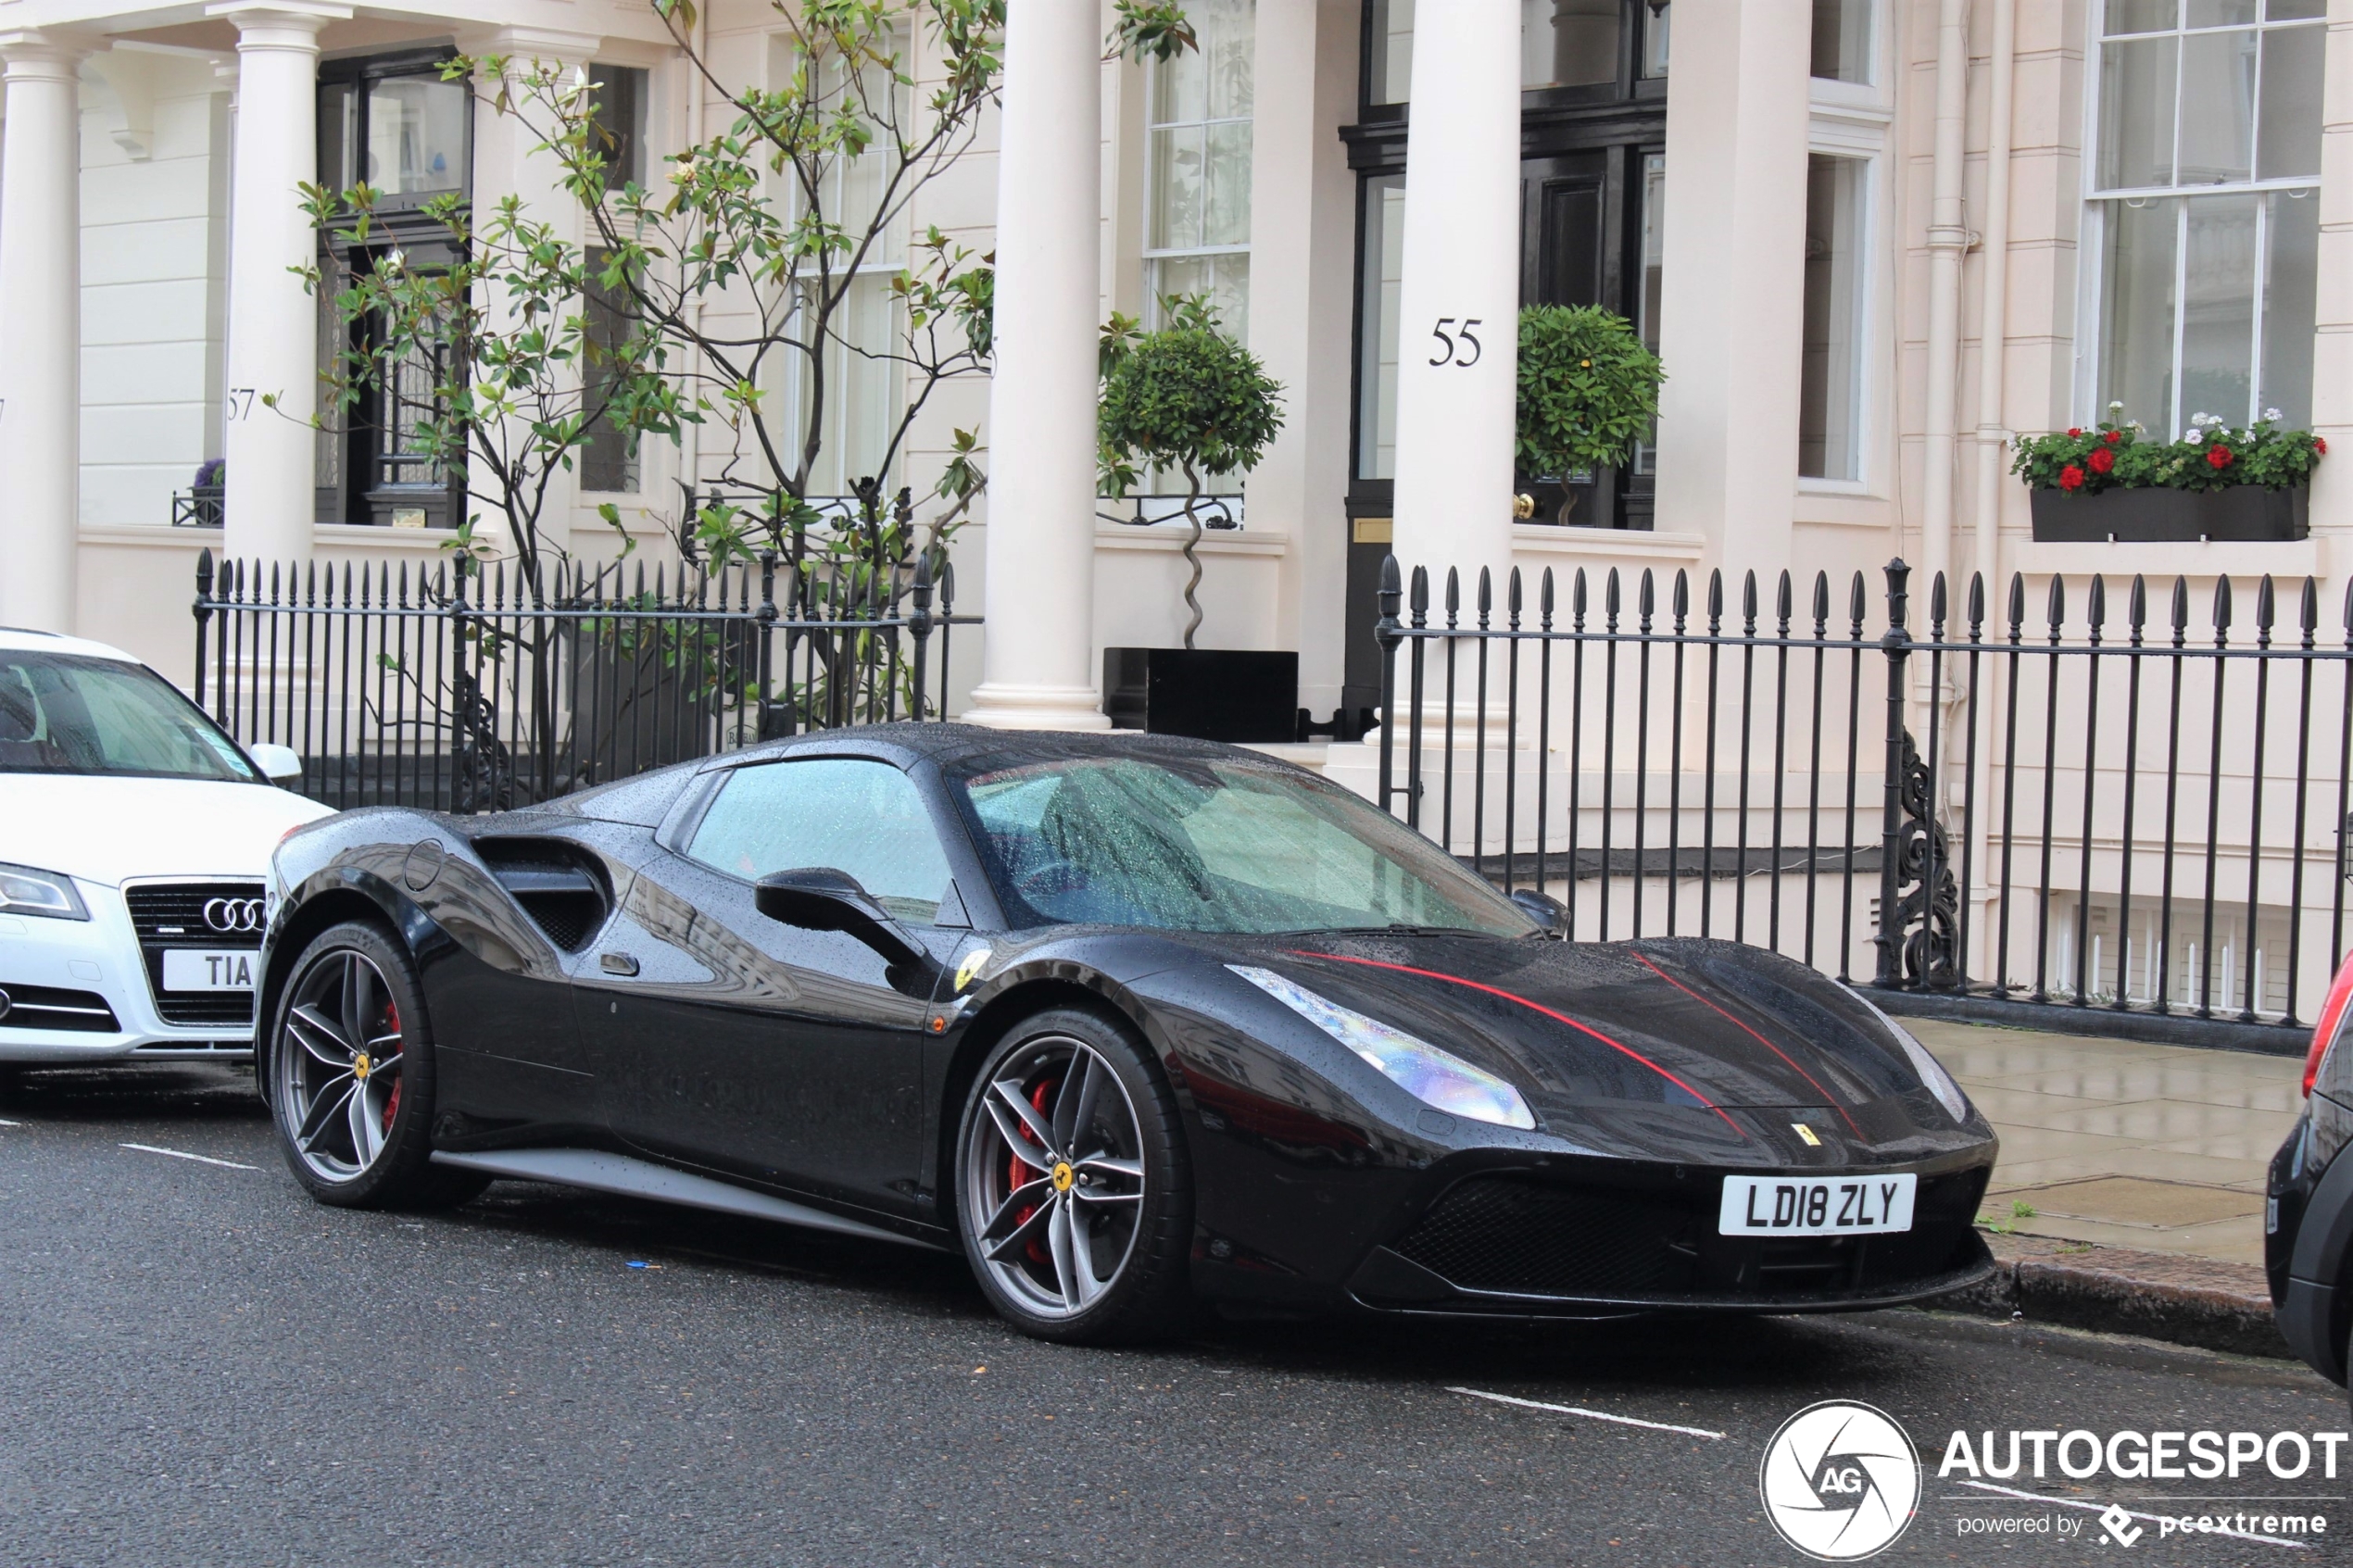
1208,694
2247,512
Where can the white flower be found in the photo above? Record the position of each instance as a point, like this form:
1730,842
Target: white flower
2115,405
2190,434
2271,416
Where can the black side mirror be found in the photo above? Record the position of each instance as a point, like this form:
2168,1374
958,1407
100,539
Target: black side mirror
820,898
1544,908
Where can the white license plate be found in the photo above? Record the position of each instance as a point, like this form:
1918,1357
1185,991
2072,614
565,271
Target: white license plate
190,969
1816,1205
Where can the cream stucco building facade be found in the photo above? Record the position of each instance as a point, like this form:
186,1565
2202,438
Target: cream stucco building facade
1868,237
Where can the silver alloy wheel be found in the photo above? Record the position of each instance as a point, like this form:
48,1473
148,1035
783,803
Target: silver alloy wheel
1053,1180
338,1065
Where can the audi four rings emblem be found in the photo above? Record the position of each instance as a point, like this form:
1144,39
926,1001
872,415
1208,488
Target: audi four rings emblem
233,914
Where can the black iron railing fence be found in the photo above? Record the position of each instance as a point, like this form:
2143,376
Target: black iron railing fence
2137,818
466,689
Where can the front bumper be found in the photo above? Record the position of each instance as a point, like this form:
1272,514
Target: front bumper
1516,1243
2308,1236
68,970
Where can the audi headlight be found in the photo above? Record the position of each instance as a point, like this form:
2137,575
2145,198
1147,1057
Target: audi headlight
1431,1075
1939,1082
24,891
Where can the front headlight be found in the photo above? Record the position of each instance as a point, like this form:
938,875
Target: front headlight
1940,1083
24,891
1431,1075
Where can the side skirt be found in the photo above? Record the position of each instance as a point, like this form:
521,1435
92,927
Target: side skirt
630,1177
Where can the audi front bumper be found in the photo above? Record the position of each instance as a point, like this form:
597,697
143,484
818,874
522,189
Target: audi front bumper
84,990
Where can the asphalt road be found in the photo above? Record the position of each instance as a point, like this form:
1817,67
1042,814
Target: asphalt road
198,1365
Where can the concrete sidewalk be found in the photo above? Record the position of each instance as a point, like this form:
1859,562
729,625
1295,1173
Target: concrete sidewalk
2157,1149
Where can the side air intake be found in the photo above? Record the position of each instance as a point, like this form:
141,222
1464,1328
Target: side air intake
557,887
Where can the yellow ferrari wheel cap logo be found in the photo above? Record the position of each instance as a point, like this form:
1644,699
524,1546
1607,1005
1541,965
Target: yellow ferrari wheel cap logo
1063,1176
361,1066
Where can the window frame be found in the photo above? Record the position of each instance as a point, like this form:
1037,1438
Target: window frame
1855,121
352,493
1147,253
2092,239
1871,291
790,371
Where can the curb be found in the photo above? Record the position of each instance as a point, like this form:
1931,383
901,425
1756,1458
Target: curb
2198,1301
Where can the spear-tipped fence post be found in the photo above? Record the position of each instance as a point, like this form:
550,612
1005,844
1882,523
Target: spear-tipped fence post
763,629
1389,634
919,626
1897,645
203,613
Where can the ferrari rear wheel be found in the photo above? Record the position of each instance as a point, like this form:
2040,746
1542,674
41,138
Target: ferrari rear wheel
351,1077
1073,1190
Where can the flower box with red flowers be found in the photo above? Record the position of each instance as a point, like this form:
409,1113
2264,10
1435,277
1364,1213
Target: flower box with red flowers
2111,483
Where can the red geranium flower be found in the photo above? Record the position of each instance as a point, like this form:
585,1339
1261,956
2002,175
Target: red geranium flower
2112,437
2218,458
2321,444
2070,477
2074,430
2101,459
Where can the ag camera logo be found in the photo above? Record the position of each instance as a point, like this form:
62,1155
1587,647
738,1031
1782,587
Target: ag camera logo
1840,1481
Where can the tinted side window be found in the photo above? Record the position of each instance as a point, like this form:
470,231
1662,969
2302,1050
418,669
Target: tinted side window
864,818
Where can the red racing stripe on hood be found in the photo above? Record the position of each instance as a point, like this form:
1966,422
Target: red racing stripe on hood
1752,1034
1536,1006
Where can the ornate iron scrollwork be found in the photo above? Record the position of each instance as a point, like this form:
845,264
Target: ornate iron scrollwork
1928,910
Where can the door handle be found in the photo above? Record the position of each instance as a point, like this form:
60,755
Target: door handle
617,963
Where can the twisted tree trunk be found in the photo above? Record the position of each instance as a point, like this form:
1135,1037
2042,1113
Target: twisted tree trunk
1193,516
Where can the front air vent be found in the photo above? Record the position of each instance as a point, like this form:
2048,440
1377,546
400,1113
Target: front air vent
47,1007
559,886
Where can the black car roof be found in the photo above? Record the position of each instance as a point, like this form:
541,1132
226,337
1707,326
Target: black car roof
949,743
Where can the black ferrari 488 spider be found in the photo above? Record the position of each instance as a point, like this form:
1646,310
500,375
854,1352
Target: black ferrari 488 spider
1131,1021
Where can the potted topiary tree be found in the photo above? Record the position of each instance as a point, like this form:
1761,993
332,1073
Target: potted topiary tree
1588,391
1190,398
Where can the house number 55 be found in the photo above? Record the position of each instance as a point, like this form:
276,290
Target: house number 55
1459,347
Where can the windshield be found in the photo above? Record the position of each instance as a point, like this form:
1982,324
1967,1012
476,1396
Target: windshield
1195,843
62,713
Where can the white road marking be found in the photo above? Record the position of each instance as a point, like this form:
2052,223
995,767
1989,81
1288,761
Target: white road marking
2152,1518
179,1154
1590,1415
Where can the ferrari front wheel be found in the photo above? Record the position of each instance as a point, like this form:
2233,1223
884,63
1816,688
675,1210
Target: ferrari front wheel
350,1066
1073,1187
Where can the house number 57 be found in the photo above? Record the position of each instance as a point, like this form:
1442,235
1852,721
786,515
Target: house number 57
1459,347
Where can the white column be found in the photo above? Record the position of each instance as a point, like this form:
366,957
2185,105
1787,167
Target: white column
41,331
1455,418
1303,231
1037,651
273,322
1731,330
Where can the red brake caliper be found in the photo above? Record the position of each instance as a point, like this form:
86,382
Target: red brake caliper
1017,1171
392,1101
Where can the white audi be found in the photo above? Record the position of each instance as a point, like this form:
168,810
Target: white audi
134,836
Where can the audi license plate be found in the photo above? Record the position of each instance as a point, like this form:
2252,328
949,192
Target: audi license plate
189,969
1816,1205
